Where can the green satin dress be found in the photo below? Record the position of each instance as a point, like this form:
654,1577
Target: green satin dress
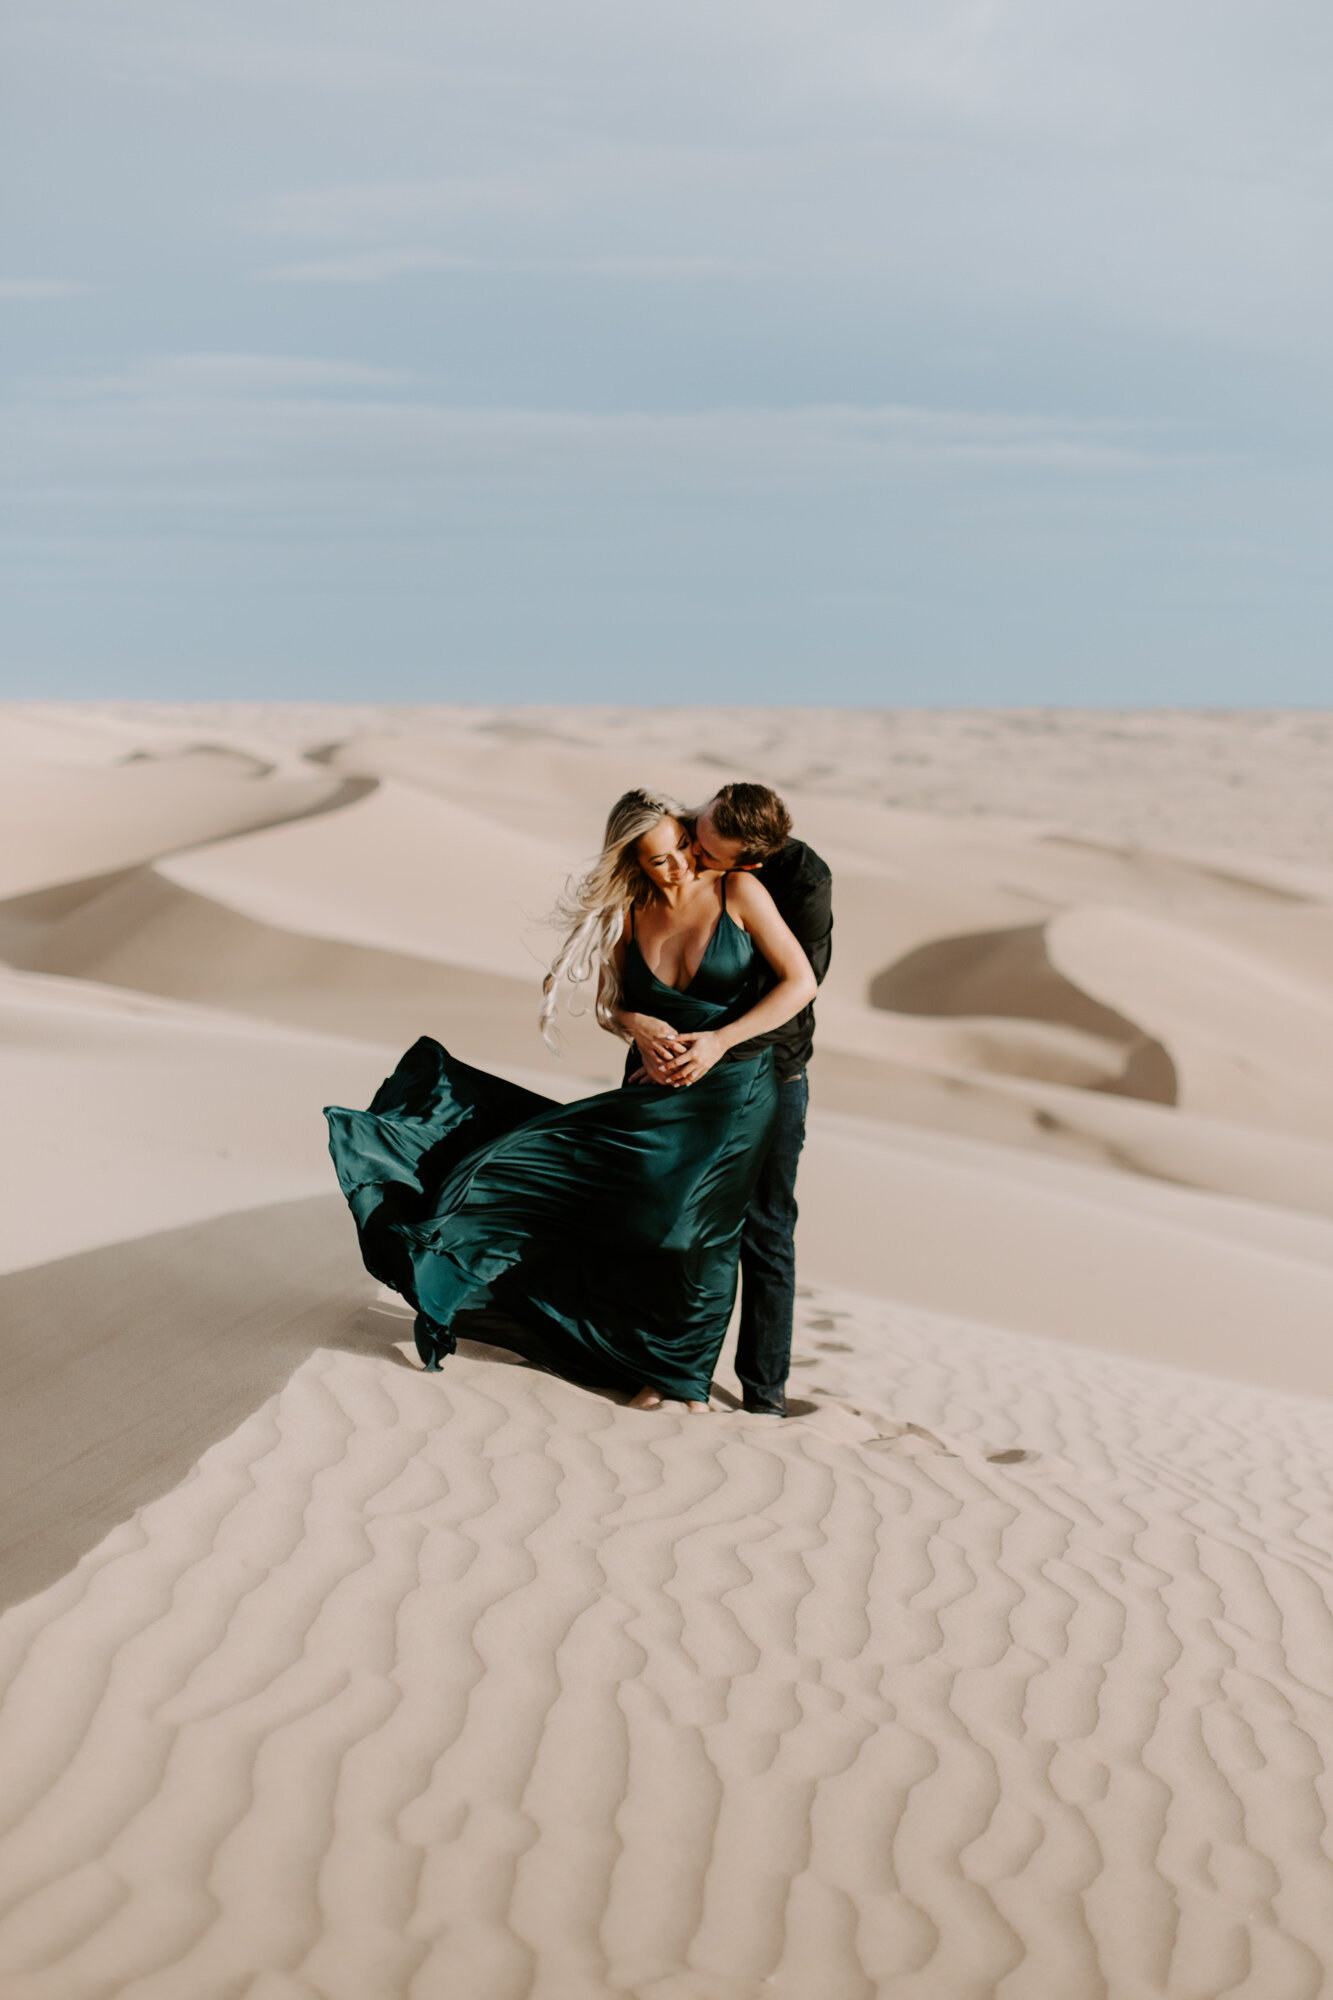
605,1234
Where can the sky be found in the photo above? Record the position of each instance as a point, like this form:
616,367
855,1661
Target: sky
931,352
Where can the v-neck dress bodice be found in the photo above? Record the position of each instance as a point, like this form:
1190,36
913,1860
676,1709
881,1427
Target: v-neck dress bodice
604,1234
724,986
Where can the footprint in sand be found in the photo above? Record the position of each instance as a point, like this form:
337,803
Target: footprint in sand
904,1438
908,1435
1049,1466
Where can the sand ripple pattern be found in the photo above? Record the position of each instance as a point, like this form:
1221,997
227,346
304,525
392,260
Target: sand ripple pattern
1005,1670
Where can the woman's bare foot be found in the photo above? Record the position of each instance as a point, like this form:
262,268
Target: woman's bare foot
647,1399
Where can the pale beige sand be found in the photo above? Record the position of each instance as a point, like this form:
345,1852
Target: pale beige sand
144,1114
1252,782
58,825
1003,1668
125,1362
1015,1682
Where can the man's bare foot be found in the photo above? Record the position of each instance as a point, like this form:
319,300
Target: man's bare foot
697,1409
647,1399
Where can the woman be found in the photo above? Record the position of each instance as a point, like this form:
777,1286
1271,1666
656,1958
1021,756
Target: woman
607,1231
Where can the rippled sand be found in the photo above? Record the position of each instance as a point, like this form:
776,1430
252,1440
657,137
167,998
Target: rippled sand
1004,1667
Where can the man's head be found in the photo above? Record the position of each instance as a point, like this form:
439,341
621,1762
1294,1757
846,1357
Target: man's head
740,827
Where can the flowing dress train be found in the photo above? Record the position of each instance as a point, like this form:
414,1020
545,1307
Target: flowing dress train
606,1232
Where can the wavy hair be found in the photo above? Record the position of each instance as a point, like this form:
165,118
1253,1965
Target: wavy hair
593,909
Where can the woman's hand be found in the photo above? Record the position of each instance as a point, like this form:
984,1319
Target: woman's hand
705,1047
657,1042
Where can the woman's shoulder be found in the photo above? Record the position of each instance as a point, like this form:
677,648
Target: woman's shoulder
746,895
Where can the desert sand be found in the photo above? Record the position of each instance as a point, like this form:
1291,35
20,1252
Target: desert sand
1004,1667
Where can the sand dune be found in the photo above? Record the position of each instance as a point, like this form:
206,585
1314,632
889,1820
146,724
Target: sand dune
1229,783
1249,1041
551,791
61,737
1072,1251
399,870
123,1363
1002,1668
144,931
422,1687
58,825
1060,1122
137,1115
1011,973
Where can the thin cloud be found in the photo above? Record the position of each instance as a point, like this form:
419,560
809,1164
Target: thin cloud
244,375
992,206
370,267
316,65
665,267
540,179
190,385
380,267
332,212
226,430
303,46
33,290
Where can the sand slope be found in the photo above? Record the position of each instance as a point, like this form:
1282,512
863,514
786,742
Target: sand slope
489,1687
143,931
137,1114
1003,1668
58,825
123,1363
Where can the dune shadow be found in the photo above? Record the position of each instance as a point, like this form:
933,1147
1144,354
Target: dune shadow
138,929
121,1366
1008,974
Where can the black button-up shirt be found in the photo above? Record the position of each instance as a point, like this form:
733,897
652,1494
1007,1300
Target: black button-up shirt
802,887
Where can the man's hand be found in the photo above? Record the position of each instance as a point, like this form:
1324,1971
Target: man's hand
705,1047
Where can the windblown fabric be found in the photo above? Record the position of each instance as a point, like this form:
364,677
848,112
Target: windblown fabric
607,1231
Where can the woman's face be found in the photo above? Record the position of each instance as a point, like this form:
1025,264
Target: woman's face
664,854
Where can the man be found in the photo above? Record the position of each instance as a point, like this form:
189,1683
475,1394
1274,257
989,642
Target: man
748,827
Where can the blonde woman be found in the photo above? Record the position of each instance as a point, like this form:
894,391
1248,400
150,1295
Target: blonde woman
606,1232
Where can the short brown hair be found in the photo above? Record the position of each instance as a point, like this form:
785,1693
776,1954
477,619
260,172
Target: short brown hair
754,816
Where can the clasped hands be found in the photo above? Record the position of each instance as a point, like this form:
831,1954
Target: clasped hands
675,1058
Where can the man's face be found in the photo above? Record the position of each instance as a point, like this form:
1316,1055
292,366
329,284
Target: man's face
711,851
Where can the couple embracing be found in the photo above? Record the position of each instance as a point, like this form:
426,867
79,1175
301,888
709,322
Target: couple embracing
604,1237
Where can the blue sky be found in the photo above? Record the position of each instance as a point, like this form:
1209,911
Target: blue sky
944,352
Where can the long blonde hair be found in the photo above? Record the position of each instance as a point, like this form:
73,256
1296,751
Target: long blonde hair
593,910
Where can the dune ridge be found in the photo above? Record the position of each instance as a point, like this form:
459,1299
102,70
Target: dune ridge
57,825
1250,782
1002,1668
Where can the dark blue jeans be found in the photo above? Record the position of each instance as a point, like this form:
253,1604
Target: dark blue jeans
768,1254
